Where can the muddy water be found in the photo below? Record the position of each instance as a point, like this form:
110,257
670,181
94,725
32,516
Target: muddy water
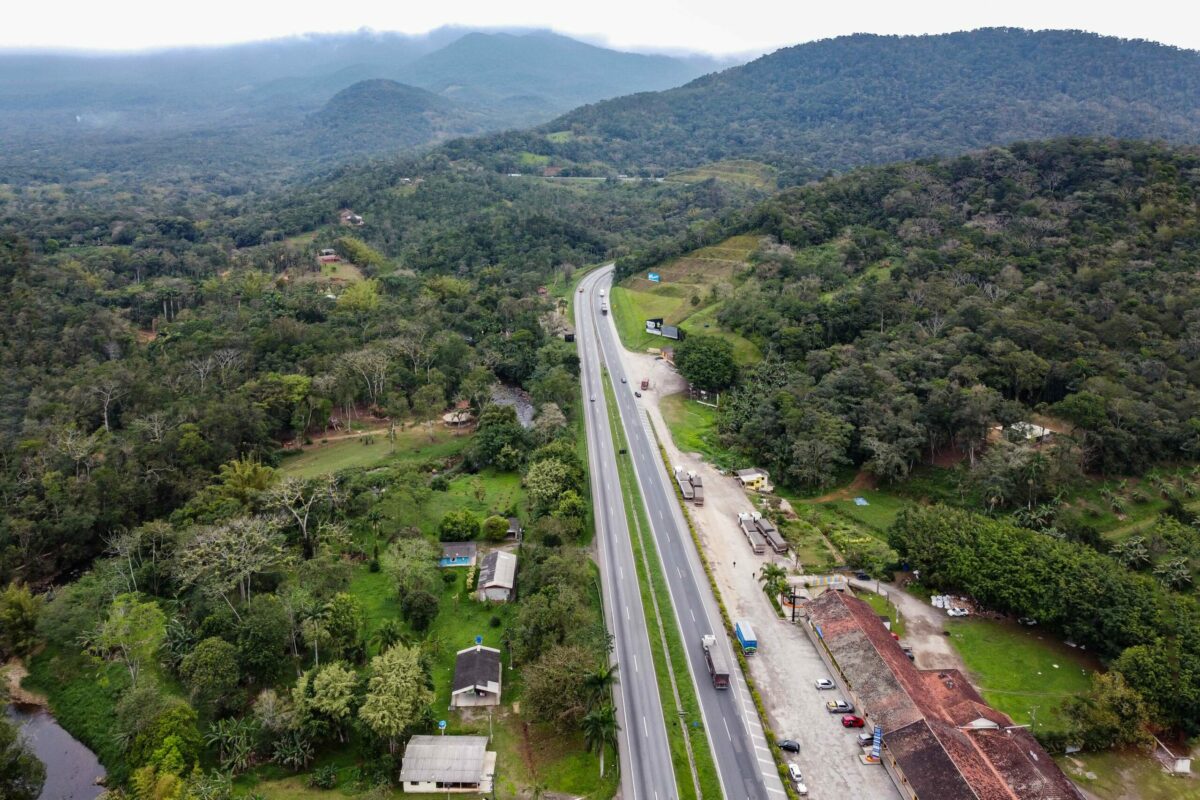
71,768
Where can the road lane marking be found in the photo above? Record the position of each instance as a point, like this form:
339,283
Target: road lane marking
693,613
727,733
646,731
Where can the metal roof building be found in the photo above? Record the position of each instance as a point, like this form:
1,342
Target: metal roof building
448,764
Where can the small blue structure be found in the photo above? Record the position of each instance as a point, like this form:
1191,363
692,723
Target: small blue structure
653,277
457,554
861,501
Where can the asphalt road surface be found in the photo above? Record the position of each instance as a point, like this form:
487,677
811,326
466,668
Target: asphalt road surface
743,758
646,769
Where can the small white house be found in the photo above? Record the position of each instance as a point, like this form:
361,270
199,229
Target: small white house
497,576
477,677
448,764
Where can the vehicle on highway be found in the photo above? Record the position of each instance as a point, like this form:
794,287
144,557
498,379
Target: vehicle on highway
593,398
602,293
716,662
824,683
851,721
637,394
866,739
791,745
838,707
798,779
623,379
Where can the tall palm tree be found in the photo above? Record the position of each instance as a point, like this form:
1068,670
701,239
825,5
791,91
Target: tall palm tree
597,685
390,633
774,579
600,730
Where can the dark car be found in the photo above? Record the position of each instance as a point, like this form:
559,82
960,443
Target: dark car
791,745
851,721
866,739
637,394
862,576
623,379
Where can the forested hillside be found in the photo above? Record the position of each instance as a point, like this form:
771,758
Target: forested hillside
909,308
867,99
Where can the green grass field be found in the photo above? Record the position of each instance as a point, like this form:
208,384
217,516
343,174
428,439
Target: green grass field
486,493
1024,672
693,428
412,445
880,512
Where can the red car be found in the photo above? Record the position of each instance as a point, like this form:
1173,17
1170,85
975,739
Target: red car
851,721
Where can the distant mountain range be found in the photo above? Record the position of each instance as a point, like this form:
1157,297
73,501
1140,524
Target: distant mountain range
874,99
153,106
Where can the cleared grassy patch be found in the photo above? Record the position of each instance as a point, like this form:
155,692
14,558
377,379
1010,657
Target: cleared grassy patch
654,591
1024,672
485,493
693,428
412,445
685,297
1127,775
739,171
879,513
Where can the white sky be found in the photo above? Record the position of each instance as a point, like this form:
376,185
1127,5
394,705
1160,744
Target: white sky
714,26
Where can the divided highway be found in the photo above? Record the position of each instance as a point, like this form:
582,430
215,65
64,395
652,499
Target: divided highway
646,769
742,754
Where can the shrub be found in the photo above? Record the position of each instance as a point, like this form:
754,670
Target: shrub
457,526
323,777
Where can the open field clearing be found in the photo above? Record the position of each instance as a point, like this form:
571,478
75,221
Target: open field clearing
369,450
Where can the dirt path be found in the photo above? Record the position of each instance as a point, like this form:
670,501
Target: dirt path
863,480
13,673
924,627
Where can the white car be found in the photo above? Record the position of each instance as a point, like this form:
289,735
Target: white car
824,683
957,612
794,772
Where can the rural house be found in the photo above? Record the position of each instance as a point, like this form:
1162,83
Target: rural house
448,764
497,576
756,479
477,674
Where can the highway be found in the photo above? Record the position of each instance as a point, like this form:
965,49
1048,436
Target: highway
743,758
646,769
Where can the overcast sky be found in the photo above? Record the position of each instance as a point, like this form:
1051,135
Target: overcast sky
713,26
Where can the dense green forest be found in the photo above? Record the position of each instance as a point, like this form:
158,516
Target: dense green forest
906,310
868,99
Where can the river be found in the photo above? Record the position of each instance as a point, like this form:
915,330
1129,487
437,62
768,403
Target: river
71,768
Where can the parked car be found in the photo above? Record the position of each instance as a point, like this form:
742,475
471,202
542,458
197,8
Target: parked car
862,576
1027,621
838,707
851,721
791,745
866,739
908,651
798,779
957,612
824,683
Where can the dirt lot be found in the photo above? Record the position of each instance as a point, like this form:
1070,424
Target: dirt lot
787,664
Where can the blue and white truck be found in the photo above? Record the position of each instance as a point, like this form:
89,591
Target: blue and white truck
745,636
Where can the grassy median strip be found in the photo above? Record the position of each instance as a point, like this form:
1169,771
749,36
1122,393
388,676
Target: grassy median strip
688,739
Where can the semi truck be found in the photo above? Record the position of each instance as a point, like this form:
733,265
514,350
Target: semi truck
715,661
685,485
697,488
746,637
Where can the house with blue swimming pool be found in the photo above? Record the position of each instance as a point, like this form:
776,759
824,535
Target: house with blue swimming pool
457,554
